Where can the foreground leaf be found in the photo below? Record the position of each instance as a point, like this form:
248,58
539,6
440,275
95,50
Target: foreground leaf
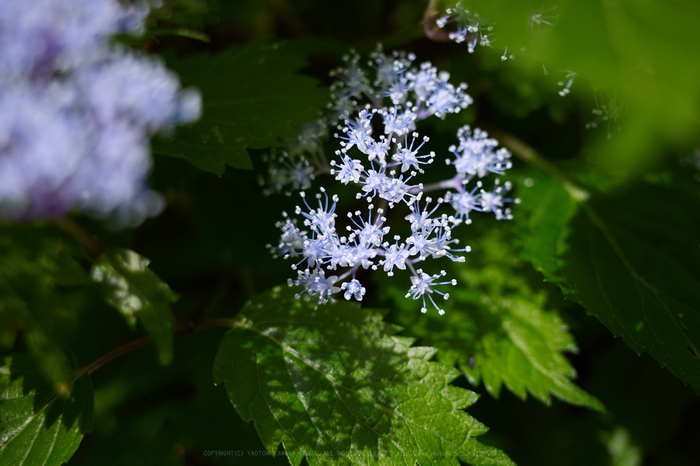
135,291
36,427
38,277
496,329
644,83
631,260
252,96
335,385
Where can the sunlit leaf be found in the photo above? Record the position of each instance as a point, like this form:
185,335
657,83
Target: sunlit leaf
135,291
336,386
495,328
37,428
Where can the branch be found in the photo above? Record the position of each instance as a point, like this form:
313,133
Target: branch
432,31
144,341
82,236
530,156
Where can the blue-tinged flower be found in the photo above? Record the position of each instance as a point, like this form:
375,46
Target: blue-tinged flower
373,181
460,35
136,89
464,202
434,239
370,232
347,171
424,81
476,154
353,82
361,253
314,249
337,254
315,283
408,157
493,201
421,218
415,94
292,239
440,243
397,121
77,113
395,255
470,27
422,284
322,219
354,289
358,132
391,78
41,143
287,174
446,98
396,189
570,76
38,37
378,149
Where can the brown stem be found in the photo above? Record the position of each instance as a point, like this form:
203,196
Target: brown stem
113,354
82,236
432,31
143,341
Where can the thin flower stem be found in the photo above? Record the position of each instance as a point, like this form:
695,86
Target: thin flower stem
530,156
351,271
410,266
444,184
82,236
182,326
431,30
144,341
113,354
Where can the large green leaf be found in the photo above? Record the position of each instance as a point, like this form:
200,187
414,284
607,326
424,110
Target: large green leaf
38,277
252,96
36,427
632,260
640,58
335,385
135,291
495,327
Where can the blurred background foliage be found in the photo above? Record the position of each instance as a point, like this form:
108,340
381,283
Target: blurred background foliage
638,61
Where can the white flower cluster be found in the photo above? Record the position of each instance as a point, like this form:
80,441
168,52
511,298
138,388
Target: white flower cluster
77,111
382,155
471,27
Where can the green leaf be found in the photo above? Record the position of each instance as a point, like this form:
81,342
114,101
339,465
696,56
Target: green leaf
632,260
335,385
135,291
639,57
495,328
38,277
252,97
36,427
